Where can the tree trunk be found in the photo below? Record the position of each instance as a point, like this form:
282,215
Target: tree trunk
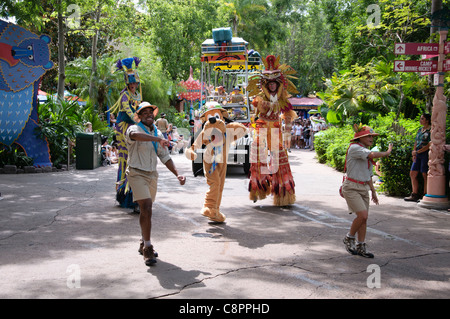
94,54
436,5
61,57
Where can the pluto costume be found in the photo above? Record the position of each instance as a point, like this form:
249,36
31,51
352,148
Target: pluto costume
217,136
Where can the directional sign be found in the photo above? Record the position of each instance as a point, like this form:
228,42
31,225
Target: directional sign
420,66
416,48
436,79
446,65
415,66
420,48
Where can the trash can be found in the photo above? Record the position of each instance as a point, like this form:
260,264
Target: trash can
88,150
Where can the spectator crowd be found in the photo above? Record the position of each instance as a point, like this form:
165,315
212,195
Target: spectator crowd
303,131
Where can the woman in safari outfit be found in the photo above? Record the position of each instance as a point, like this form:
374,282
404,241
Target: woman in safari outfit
356,186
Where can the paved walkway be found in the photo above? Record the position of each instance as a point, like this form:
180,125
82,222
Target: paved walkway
62,236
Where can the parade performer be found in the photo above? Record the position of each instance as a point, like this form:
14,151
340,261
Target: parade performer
125,107
270,91
217,136
145,145
357,182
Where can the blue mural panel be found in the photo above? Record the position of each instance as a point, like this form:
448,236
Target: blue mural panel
24,58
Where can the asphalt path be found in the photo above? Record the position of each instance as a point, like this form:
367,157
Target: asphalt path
62,235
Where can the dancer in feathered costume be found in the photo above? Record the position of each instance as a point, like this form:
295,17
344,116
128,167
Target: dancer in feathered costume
125,107
270,89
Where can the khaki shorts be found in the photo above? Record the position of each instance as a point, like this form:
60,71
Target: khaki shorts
287,136
356,196
143,184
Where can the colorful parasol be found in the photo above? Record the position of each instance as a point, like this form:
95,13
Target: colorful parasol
190,91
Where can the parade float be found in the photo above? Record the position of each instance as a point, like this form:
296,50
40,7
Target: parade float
226,64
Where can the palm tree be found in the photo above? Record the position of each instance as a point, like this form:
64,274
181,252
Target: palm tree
348,102
79,72
257,21
241,10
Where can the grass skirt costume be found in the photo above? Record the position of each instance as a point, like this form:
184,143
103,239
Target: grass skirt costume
271,175
125,108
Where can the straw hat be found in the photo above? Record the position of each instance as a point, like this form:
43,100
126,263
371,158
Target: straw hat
361,131
145,105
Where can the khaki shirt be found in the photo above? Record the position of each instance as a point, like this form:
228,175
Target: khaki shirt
141,154
358,165
162,124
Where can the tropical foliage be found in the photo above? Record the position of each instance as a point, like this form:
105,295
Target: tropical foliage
366,91
60,120
79,74
14,155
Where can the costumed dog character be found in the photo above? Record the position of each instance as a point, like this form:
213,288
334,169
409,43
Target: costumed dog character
271,100
217,136
125,107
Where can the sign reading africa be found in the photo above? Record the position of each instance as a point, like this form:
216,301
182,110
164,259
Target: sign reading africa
420,48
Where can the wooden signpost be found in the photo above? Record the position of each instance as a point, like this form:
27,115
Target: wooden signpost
435,196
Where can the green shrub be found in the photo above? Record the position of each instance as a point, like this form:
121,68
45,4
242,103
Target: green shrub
395,168
331,147
58,123
321,142
14,155
336,154
61,120
326,139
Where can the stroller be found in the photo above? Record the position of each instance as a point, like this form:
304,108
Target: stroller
104,152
